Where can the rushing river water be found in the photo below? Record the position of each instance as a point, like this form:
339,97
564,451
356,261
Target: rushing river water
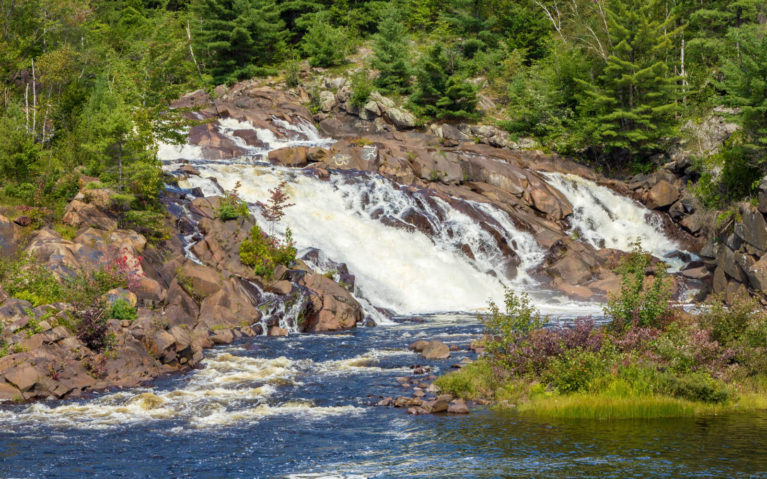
302,407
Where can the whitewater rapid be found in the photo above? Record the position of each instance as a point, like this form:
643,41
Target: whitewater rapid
604,219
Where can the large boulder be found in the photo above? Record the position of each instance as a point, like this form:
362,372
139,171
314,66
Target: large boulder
753,228
331,308
8,241
661,195
400,118
233,305
435,350
295,156
80,214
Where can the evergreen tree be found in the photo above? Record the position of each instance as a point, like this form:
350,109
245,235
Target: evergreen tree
440,91
324,44
391,55
630,107
238,36
745,80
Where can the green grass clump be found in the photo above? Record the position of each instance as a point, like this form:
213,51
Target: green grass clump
606,407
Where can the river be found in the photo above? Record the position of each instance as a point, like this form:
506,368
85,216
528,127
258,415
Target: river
303,406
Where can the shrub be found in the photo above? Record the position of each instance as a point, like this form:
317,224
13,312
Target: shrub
730,324
92,328
232,207
695,387
149,223
517,320
24,279
264,253
324,44
639,304
362,87
122,309
575,370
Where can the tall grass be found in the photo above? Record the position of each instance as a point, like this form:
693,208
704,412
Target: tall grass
582,406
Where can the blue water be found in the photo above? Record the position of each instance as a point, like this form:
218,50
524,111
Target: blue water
358,440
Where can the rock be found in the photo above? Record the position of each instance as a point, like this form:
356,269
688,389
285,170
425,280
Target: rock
386,402
332,308
23,376
372,108
223,336
436,406
201,281
8,243
436,350
418,346
458,406
757,275
190,170
400,118
753,228
662,194
572,269
113,295
762,196
80,214
327,100
295,156
278,331
233,305
163,346
280,287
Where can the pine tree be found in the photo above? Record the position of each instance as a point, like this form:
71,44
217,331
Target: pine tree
324,44
440,91
391,55
630,107
238,36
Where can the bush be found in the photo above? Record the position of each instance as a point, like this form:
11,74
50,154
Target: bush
639,304
507,327
575,370
264,253
362,87
324,44
695,387
27,280
232,207
92,328
121,309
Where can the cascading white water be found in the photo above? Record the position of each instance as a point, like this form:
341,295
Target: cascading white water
404,271
605,219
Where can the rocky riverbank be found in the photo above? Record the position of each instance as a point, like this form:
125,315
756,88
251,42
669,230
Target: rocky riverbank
185,302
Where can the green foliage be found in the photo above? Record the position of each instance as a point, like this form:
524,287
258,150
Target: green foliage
576,370
121,309
264,253
324,44
24,279
232,207
639,304
391,54
238,37
361,88
630,107
440,90
505,327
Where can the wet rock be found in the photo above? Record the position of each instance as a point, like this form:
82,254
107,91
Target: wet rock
418,346
231,306
458,406
386,402
438,405
295,156
222,336
436,350
332,308
280,287
278,331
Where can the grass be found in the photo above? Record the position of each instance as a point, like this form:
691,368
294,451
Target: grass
478,381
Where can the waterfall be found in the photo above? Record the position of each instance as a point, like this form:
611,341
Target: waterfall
605,219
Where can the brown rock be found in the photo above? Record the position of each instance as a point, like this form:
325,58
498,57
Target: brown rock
292,156
231,306
572,269
201,280
662,194
458,406
418,346
332,307
23,377
278,331
280,287
753,228
222,336
436,350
